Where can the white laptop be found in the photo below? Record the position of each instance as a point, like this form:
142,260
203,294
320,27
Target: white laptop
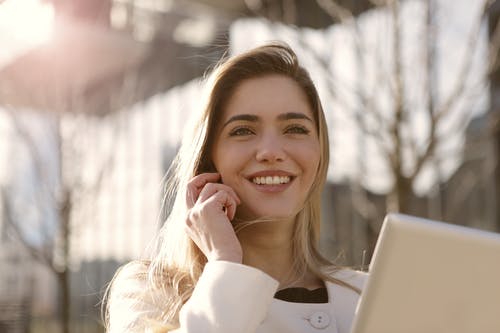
431,277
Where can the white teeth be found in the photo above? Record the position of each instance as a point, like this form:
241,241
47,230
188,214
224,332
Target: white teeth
271,180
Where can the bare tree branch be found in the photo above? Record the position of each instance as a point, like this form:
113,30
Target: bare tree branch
456,93
32,147
460,82
494,61
398,107
367,104
43,191
430,31
34,252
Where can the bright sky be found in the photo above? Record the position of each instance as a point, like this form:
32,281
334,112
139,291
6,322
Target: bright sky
24,24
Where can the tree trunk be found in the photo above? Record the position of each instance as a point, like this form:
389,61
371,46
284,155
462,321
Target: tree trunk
399,199
494,17
64,275
65,300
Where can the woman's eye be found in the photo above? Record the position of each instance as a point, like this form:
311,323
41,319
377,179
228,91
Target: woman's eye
296,129
240,131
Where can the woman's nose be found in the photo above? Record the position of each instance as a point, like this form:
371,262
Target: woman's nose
270,149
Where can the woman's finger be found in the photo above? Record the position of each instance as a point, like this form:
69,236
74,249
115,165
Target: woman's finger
196,184
219,206
230,206
212,188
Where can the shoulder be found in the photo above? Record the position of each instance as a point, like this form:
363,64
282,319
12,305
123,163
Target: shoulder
345,278
352,277
345,288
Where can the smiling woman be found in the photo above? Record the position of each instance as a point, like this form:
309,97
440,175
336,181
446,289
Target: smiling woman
239,251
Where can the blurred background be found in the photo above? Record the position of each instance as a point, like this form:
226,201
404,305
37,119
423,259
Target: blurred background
95,94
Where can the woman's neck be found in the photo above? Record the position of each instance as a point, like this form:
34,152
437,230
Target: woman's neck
268,246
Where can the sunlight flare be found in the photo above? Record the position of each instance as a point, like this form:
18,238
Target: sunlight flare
27,21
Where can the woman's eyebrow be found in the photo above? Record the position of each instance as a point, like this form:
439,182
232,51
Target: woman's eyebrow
254,118
293,115
244,117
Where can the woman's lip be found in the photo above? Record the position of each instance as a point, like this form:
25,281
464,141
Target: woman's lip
271,188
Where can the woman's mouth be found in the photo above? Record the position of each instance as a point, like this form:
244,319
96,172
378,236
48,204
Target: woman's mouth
271,180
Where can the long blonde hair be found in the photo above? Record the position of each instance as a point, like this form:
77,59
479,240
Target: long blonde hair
166,281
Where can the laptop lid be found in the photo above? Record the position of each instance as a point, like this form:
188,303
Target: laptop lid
431,277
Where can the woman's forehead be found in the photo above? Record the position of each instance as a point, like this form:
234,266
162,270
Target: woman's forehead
269,96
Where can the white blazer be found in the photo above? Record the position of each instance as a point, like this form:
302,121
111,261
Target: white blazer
235,298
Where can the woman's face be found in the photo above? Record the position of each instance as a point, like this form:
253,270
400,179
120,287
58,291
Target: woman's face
267,147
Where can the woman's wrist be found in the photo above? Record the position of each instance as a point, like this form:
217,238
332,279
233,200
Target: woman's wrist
231,257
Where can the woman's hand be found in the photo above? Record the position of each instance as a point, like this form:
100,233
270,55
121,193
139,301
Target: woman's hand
211,207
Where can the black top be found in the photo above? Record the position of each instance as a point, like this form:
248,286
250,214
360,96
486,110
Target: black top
303,295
